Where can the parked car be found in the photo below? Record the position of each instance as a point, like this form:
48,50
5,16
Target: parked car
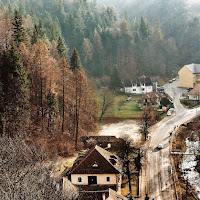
171,109
173,79
170,81
160,146
169,113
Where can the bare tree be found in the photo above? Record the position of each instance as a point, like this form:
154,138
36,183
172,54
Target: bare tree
23,174
147,119
106,101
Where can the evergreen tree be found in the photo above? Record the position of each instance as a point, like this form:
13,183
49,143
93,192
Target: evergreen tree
15,88
75,61
115,79
41,28
35,35
19,31
61,47
137,37
143,29
22,10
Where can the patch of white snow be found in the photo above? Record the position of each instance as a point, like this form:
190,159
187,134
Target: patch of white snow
130,128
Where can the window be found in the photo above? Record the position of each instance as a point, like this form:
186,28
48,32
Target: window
134,89
108,179
142,89
79,179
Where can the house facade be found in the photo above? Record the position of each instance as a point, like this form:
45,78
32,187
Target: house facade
194,94
98,170
141,85
151,99
189,75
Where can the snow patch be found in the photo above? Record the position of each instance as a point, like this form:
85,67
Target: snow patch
189,163
129,127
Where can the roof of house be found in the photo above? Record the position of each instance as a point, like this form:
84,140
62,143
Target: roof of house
195,91
194,68
115,196
147,80
104,162
127,83
152,95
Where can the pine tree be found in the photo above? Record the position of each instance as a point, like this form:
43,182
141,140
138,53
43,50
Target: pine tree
35,35
115,79
22,10
75,61
15,88
137,37
41,28
143,29
61,47
19,31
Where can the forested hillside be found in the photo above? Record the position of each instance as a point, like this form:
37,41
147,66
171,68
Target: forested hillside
42,95
151,38
38,38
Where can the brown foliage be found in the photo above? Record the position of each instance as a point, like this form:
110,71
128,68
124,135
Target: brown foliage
6,30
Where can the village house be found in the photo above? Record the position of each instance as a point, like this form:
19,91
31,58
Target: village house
96,170
151,99
194,94
141,85
189,75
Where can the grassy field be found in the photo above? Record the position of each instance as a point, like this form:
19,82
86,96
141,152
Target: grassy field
129,110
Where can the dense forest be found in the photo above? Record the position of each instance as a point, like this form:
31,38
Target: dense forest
48,47
141,37
42,95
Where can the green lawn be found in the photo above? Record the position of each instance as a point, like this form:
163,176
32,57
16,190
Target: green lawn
129,110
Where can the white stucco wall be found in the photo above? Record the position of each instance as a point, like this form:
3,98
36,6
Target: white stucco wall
149,89
138,89
193,96
101,179
128,90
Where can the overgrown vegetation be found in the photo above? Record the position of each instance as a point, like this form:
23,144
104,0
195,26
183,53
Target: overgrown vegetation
190,131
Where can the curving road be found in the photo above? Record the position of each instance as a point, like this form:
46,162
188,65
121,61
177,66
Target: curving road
159,178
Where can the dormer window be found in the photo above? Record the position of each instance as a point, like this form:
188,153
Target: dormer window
95,165
113,156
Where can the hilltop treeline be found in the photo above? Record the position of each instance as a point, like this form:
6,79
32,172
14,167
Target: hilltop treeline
42,94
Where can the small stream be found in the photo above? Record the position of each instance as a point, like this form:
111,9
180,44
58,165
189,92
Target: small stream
189,163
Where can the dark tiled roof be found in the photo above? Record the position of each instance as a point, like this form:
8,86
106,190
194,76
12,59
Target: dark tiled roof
148,81
194,68
109,157
127,83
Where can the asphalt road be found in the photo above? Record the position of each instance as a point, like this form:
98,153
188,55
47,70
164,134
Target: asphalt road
159,177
